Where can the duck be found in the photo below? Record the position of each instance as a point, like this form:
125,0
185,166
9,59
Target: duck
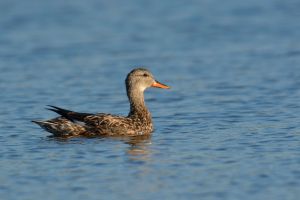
138,121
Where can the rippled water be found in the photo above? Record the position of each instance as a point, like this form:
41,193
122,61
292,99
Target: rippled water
228,129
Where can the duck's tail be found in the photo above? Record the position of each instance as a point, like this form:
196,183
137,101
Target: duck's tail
61,127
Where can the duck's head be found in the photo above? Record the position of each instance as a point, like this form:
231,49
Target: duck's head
142,79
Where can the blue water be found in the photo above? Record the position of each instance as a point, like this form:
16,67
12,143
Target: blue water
228,129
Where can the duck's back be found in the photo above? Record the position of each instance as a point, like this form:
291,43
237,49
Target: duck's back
100,124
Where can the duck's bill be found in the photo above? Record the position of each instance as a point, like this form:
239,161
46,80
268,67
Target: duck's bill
160,85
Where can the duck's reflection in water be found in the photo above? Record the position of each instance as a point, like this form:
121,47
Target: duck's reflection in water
139,147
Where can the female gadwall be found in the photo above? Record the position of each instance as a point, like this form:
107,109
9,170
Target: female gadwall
138,121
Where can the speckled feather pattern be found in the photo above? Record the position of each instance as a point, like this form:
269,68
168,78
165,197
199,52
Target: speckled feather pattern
138,121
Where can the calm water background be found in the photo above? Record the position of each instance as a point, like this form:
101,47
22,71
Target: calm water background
228,129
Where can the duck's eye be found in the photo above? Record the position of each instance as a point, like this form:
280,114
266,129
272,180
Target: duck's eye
145,75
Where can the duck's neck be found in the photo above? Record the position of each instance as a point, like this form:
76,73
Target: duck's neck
138,107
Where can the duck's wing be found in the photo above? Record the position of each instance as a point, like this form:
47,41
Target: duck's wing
109,124
68,114
100,123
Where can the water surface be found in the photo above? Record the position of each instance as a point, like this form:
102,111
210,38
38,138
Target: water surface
228,129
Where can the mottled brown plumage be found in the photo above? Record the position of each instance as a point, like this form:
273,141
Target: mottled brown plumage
138,121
